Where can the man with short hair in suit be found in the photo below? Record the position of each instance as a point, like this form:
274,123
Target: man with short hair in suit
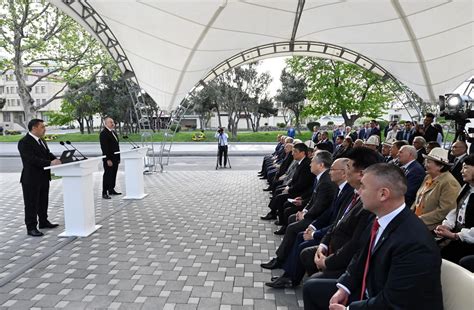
420,143
109,143
458,153
414,172
398,265
407,134
35,156
430,133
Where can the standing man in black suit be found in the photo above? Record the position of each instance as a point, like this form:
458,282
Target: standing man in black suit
407,134
35,156
109,143
398,265
430,133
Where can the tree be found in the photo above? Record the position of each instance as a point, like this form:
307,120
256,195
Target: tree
338,88
292,94
203,103
37,34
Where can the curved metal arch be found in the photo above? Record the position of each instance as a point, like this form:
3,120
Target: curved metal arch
314,49
96,25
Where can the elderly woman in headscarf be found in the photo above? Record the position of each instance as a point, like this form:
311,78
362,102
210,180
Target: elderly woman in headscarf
439,190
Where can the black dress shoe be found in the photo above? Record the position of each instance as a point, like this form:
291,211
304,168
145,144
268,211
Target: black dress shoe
280,231
105,196
113,192
267,189
35,233
269,216
273,264
48,225
281,282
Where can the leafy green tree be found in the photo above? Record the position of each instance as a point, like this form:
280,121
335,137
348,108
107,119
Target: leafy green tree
292,94
203,103
33,34
338,88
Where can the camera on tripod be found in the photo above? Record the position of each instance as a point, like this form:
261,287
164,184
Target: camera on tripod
458,108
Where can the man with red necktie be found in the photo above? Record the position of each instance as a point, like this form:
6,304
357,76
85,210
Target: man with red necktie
398,265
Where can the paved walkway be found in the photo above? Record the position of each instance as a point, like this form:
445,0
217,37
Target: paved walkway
194,243
9,149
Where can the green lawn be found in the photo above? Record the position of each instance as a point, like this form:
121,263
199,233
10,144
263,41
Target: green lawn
185,136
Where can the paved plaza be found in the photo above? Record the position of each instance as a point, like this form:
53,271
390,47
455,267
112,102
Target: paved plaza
195,242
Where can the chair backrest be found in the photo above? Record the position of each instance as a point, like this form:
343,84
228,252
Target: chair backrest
458,287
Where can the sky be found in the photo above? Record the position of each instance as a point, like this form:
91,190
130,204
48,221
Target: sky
273,66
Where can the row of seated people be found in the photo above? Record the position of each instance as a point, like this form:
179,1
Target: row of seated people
325,228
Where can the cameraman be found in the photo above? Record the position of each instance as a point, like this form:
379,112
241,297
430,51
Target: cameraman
222,145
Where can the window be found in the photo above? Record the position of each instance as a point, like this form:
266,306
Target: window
43,101
43,89
38,101
18,102
6,117
37,70
8,90
36,89
16,90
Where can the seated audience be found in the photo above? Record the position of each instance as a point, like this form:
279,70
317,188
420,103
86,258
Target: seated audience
398,265
294,270
458,227
346,147
437,195
321,199
394,149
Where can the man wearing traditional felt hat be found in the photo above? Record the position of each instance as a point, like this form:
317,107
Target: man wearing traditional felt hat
438,192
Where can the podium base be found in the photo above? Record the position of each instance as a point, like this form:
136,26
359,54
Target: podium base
131,197
81,234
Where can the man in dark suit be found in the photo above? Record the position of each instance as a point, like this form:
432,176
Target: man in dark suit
414,172
301,181
407,134
458,153
35,156
420,143
374,129
398,265
430,133
323,195
325,143
109,143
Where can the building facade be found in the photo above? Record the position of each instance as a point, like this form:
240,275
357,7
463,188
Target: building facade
12,115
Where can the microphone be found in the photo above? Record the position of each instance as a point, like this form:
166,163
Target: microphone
69,142
134,146
63,144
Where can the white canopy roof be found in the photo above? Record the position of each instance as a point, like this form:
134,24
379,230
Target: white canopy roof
171,45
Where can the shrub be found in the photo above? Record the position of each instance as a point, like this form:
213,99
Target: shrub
330,123
175,128
281,125
12,132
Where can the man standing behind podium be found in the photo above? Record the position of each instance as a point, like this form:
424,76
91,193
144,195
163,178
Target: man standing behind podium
34,180
109,143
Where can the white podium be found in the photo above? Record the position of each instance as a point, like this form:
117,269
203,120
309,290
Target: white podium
78,193
133,160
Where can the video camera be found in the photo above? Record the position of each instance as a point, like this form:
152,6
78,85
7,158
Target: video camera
458,108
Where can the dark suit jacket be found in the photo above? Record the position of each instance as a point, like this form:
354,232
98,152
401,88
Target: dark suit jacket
34,158
302,179
469,215
324,222
431,134
284,165
415,175
420,157
361,134
401,135
404,271
322,198
456,171
109,145
343,238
